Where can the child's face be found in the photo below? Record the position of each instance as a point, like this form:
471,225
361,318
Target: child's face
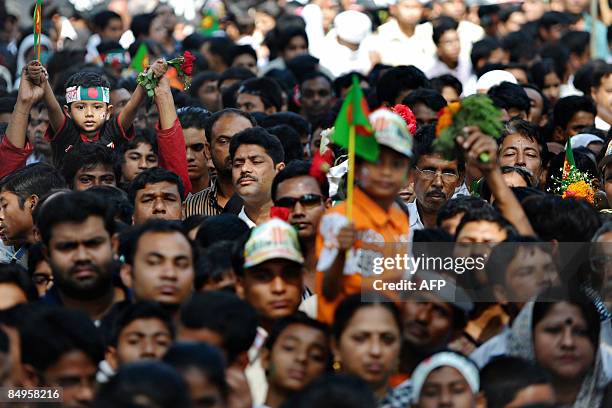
387,177
89,116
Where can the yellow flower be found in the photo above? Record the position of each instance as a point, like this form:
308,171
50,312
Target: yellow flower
580,190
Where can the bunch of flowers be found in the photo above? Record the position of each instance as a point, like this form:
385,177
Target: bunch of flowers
182,64
475,110
406,113
575,185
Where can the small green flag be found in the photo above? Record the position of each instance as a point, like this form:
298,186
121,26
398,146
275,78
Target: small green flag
354,112
568,164
141,59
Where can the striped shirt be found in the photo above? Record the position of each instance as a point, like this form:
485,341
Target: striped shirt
203,202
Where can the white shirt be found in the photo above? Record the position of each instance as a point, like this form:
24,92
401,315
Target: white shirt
244,217
414,218
462,72
601,124
340,60
396,48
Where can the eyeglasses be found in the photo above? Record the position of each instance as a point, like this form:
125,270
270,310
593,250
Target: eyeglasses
447,176
601,262
41,279
307,201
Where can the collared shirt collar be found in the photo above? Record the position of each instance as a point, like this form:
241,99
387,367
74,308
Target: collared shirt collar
415,218
378,215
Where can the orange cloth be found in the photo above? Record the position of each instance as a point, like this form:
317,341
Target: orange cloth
375,227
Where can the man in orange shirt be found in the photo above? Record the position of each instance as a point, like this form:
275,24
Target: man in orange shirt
346,250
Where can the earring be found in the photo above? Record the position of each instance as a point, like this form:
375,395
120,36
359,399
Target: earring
337,366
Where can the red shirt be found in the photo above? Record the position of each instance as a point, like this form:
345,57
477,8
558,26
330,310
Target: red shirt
11,157
172,152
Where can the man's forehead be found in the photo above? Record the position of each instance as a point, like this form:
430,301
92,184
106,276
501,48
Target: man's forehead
250,150
234,121
517,139
436,161
165,243
92,226
98,169
162,187
299,185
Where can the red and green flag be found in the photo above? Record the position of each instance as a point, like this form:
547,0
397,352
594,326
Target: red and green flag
141,59
354,114
568,164
37,19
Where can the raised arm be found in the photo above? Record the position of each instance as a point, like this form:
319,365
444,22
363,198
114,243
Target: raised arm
37,74
474,145
29,94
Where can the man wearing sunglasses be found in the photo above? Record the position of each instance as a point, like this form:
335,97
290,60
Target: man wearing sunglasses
295,189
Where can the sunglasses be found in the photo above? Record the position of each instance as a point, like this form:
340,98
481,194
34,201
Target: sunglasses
307,200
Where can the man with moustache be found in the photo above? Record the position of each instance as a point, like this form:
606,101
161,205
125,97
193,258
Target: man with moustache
219,197
76,230
435,180
257,156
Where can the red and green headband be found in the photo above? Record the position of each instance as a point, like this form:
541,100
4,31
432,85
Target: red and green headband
79,93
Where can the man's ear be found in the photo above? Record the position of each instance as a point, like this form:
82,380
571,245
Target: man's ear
558,135
109,111
111,357
126,275
280,166
115,244
30,378
241,361
207,150
328,203
67,111
240,287
31,202
481,401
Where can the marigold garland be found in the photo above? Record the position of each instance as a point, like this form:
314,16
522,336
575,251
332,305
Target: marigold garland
580,190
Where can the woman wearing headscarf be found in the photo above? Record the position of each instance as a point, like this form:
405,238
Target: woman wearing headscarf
560,332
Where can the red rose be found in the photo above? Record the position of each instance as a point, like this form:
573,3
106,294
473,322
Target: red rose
280,212
187,65
406,113
321,165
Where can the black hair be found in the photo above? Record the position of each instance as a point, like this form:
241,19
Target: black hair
146,136
545,101
50,333
485,213
215,263
72,207
552,18
219,46
439,83
236,50
193,42
424,146
291,119
101,19
222,227
153,176
527,130
137,311
144,383
599,74
297,318
129,246
567,107
36,255
193,221
283,37
566,220
290,139
334,391
193,117
239,73
350,305
441,25
87,79
504,377
345,81
584,159
577,42
225,314
458,205
297,168
540,69
558,55
18,276
34,179
548,298
314,75
199,79
428,97
520,46
508,95
260,137
7,104
266,88
85,156
212,120
229,95
141,24
398,80
117,200
202,357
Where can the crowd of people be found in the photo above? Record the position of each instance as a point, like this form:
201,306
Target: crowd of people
196,243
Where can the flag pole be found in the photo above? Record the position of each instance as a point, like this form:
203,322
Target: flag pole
350,183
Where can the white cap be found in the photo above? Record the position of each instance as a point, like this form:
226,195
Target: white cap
493,78
352,26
